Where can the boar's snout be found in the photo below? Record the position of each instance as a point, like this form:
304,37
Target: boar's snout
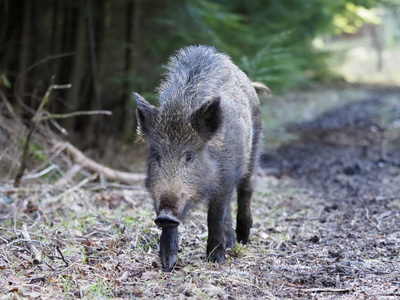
166,220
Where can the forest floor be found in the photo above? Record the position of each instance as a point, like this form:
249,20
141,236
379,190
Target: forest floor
326,218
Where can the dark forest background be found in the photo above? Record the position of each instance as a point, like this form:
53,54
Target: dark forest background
108,49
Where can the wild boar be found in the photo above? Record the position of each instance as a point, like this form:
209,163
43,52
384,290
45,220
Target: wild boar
203,142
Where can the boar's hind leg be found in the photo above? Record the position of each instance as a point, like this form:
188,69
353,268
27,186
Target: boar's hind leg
169,248
217,219
244,219
246,185
229,236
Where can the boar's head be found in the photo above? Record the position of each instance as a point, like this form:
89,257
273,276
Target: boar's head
182,163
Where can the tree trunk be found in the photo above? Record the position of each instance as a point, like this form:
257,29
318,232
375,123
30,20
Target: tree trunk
54,42
95,35
78,67
128,118
68,37
24,52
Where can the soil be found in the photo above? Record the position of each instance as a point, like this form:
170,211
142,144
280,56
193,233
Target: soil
347,163
350,155
326,221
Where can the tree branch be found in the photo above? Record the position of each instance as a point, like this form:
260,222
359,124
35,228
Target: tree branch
79,159
77,113
32,126
37,255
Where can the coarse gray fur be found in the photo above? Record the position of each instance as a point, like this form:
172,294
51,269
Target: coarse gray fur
203,142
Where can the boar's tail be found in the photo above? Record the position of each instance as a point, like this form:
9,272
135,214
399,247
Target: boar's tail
261,89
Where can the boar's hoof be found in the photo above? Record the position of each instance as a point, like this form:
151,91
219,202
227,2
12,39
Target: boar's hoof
168,262
216,254
166,220
243,229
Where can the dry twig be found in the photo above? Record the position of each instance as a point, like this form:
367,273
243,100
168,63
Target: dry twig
37,219
37,255
62,256
369,219
8,105
124,276
77,113
326,290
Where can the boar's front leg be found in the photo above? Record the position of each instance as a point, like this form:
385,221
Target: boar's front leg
169,248
216,219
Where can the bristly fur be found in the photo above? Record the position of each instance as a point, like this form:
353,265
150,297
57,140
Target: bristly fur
193,75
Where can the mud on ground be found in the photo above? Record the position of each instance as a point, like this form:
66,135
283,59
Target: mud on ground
326,218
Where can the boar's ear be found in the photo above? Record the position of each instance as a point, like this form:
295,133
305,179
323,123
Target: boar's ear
207,119
145,115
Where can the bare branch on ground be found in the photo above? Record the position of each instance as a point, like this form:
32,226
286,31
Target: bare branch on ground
326,290
36,253
79,159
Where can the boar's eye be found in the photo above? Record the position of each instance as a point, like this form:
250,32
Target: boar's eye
189,156
155,156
